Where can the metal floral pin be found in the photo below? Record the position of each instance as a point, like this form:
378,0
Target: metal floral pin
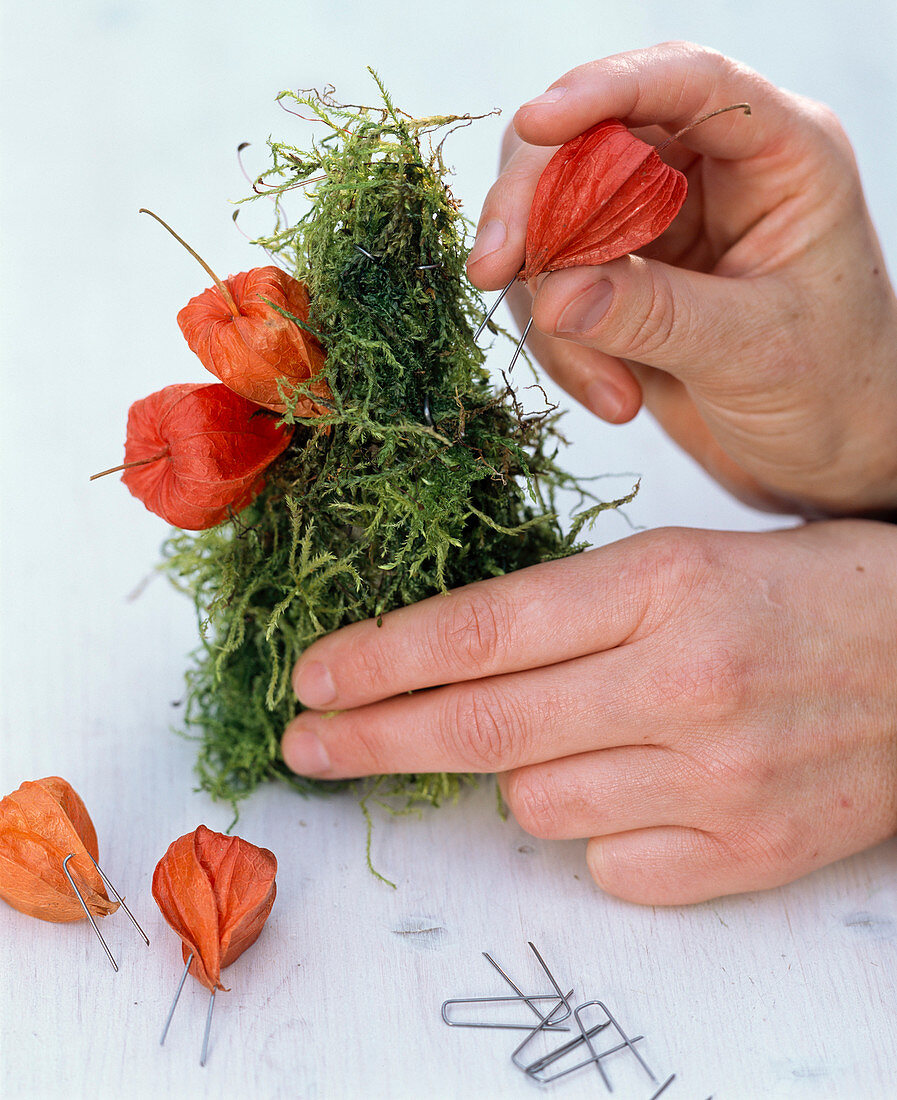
216,892
602,195
48,858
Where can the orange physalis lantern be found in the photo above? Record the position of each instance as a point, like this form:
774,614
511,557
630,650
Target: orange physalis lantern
249,345
216,892
196,452
48,857
603,194
41,824
249,330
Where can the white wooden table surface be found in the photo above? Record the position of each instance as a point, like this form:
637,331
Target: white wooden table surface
112,105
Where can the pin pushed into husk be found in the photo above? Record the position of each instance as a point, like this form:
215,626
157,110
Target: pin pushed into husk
48,858
216,892
604,194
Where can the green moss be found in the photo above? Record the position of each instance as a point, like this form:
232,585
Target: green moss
422,476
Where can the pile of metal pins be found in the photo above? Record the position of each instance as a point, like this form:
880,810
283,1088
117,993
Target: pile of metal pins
552,1020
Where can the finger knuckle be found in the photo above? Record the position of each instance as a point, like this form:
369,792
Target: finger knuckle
691,58
691,54
828,119
367,750
673,562
471,631
480,729
509,142
678,45
644,875
823,119
821,139
662,316
772,845
617,872
736,777
534,804
368,670
515,178
712,680
498,198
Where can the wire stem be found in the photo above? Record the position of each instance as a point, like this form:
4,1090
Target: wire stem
129,465
225,293
746,107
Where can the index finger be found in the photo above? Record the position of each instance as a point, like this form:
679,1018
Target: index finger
672,84
502,625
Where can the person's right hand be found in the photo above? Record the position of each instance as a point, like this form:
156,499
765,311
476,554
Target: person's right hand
761,328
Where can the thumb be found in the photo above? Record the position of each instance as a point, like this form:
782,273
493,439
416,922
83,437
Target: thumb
696,327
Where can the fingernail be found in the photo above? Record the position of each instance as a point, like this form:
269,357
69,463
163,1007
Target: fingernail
586,309
304,752
489,239
604,400
551,96
314,685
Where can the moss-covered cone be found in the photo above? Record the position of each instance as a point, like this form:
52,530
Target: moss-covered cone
422,478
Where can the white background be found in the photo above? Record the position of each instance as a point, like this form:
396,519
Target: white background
111,106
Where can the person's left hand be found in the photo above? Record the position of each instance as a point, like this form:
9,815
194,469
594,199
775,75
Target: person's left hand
716,711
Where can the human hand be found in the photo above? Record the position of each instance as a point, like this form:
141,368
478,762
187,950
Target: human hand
761,328
716,711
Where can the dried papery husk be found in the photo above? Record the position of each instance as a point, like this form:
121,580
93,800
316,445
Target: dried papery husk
216,892
253,348
251,331
41,824
197,452
602,195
